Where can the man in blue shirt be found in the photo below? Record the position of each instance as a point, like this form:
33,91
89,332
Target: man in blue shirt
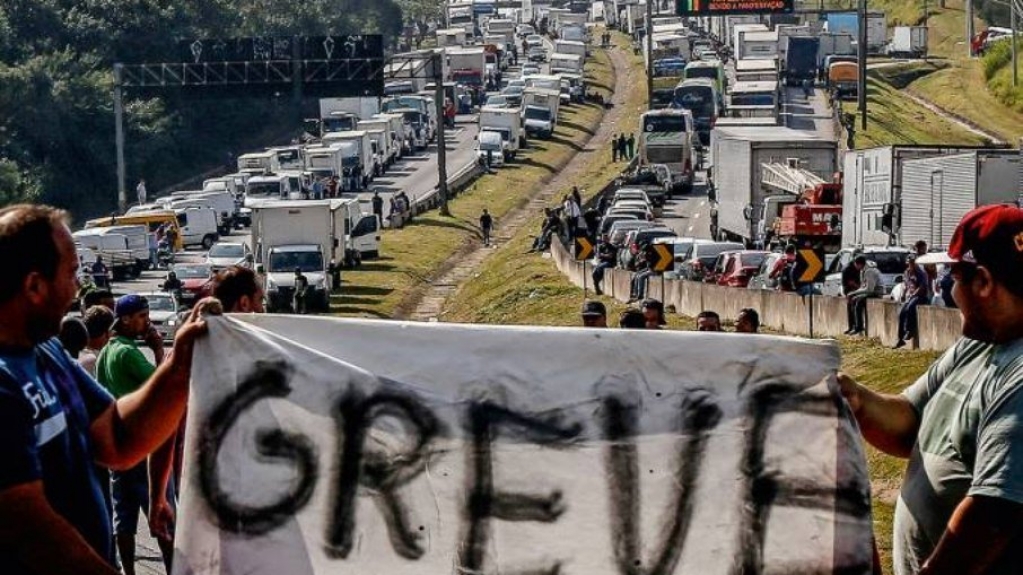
56,422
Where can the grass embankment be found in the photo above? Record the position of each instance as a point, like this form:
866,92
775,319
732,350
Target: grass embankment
892,118
411,256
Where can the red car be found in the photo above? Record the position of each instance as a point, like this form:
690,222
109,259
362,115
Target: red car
196,282
734,269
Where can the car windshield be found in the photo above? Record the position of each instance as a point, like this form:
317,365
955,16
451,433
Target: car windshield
263,190
538,114
752,99
160,302
192,272
702,72
752,260
888,262
289,261
698,99
673,123
513,90
227,251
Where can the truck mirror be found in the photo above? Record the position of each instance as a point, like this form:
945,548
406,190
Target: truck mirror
747,212
886,223
260,269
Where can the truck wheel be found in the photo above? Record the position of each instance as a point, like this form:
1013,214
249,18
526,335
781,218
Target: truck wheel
208,240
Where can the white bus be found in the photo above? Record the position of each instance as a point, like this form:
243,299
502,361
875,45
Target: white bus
668,137
754,100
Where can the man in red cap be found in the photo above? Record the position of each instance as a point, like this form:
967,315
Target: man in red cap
960,510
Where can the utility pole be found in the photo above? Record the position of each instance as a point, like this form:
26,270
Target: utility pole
969,28
442,153
649,51
861,49
122,184
1012,25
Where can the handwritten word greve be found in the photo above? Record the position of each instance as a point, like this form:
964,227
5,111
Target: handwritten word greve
484,422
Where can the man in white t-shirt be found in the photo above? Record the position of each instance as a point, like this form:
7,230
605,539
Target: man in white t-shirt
960,509
98,321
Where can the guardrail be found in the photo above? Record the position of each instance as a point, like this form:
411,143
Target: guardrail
938,327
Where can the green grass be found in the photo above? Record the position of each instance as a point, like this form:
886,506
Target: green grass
411,256
893,118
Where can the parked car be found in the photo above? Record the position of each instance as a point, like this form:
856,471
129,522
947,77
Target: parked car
609,220
630,194
701,259
534,41
618,231
637,205
227,254
196,281
497,101
164,313
761,279
513,95
537,54
890,261
639,212
735,268
530,69
680,247
638,240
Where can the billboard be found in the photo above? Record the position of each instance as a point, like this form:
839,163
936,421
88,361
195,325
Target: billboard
726,7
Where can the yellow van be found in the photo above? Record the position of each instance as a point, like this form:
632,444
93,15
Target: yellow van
152,220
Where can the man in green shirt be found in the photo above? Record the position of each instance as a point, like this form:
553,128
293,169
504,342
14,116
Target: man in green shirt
123,369
960,509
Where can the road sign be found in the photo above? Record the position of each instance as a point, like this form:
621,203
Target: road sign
583,248
809,266
725,7
663,257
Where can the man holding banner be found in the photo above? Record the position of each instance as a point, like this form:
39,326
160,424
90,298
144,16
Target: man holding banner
960,510
56,422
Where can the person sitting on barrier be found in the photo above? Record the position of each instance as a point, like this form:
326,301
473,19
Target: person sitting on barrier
708,321
917,293
748,321
607,256
870,287
643,272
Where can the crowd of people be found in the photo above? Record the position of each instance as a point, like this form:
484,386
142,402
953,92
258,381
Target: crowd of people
79,402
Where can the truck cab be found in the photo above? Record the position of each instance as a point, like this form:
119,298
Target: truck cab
539,121
491,144
269,187
364,145
198,226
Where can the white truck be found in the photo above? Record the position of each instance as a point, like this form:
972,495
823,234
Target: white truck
222,202
325,161
506,121
400,130
289,157
364,146
364,107
465,65
908,42
124,248
739,153
381,130
270,187
566,63
550,97
735,38
570,47
426,107
198,226
872,191
258,163
757,45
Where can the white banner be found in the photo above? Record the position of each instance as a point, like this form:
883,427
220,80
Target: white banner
326,446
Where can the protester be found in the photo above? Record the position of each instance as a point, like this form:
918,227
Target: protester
172,284
100,273
748,321
850,279
960,509
653,314
298,303
632,318
614,147
917,293
594,314
378,206
856,300
140,192
486,225
637,288
572,214
53,515
98,322
708,321
783,269
122,369
630,147
73,335
607,257
239,290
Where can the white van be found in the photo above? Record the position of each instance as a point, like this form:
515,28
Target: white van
222,202
114,246
198,226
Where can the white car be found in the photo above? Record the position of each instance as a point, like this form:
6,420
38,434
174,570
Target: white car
534,41
164,313
890,261
227,254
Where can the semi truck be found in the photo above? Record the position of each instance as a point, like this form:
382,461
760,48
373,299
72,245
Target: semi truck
801,60
937,192
873,191
740,152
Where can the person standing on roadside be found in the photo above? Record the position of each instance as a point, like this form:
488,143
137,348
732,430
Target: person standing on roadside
53,513
299,302
960,508
123,369
630,146
486,225
378,206
140,192
614,147
622,147
98,322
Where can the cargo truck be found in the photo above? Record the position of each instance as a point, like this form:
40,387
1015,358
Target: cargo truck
507,122
908,42
801,60
735,38
739,153
937,192
465,65
832,45
848,23
755,45
570,47
544,97
362,107
873,190
258,163
364,146
381,131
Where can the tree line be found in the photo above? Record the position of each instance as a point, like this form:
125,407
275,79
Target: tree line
56,85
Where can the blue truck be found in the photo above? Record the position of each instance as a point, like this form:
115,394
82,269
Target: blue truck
801,59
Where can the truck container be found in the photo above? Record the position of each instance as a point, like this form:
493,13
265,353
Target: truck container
258,163
801,60
426,107
507,122
873,190
546,97
787,32
388,144
566,63
401,130
843,79
269,187
908,42
362,107
848,23
367,163
573,33
447,37
726,32
756,70
735,38
465,65
124,248
757,45
832,45
738,194
570,47
937,192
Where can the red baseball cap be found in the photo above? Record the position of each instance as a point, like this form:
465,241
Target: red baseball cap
990,236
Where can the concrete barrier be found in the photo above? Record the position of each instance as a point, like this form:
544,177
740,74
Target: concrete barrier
787,312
